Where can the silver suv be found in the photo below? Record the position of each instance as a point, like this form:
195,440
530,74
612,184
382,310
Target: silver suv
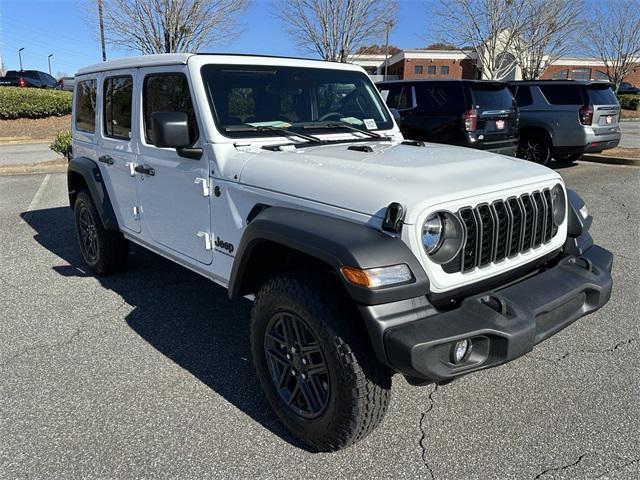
564,119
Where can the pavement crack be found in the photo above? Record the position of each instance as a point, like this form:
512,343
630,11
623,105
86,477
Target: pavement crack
620,344
618,467
561,468
55,345
423,430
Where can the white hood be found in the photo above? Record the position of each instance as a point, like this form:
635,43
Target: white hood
364,182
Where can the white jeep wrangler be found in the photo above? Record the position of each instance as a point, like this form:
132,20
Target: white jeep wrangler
287,181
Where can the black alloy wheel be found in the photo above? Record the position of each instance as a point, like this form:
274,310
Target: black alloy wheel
535,150
88,235
297,365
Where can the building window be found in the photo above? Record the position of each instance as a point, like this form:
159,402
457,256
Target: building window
431,69
417,69
560,75
598,75
581,74
444,70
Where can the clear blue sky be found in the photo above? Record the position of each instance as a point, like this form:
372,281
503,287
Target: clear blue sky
59,27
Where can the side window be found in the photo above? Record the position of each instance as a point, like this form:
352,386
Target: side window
86,106
118,94
562,94
439,97
400,97
167,92
523,96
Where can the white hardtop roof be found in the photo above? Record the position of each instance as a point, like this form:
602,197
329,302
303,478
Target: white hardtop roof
220,58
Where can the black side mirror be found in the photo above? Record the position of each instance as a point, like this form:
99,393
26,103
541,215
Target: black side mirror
170,129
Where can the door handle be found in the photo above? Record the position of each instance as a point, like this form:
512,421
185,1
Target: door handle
105,159
145,170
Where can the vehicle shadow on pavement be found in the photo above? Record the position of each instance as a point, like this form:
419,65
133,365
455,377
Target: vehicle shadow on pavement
181,314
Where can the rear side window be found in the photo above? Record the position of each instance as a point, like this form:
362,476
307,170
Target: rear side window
489,95
439,96
523,96
562,94
169,92
118,96
399,97
602,96
85,106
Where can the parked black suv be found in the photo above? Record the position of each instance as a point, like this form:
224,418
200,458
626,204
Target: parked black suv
470,113
28,78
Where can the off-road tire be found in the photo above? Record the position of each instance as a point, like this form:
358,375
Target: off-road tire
535,148
360,386
111,248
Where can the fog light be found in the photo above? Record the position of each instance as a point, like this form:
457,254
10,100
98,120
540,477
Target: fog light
460,350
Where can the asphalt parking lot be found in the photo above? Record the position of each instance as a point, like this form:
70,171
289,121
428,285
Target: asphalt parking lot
147,374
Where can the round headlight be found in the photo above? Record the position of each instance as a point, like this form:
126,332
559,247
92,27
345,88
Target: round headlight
432,233
442,236
559,204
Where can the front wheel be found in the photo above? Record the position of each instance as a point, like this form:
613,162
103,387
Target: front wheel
316,367
535,149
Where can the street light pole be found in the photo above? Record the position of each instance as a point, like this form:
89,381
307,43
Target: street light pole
388,25
100,17
49,59
20,55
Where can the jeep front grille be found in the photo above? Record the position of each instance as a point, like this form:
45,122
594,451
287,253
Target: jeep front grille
504,228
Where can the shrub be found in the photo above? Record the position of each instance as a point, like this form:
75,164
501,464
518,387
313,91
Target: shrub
33,103
629,102
62,143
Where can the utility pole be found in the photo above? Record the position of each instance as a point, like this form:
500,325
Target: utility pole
104,51
49,59
388,25
20,55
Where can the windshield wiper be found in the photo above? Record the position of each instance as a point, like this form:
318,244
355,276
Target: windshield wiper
270,128
343,125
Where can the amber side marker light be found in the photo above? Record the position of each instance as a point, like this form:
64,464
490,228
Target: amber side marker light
377,277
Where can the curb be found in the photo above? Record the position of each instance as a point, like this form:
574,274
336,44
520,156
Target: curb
634,162
51,166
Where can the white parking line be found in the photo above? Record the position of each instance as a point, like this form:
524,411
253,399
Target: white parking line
36,198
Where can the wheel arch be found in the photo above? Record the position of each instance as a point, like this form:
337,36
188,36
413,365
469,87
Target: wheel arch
289,238
537,130
84,174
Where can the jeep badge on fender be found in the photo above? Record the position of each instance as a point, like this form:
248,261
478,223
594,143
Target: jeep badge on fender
365,255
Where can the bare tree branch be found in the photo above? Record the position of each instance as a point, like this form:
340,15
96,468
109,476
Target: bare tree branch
489,27
546,34
165,26
612,33
334,29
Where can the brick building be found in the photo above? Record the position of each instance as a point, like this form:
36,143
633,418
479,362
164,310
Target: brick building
434,64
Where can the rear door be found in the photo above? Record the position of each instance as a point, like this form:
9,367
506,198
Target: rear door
606,109
497,115
175,198
117,147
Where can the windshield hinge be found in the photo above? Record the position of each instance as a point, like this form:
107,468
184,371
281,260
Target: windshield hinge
205,186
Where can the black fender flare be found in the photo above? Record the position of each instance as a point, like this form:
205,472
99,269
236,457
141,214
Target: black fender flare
90,172
335,242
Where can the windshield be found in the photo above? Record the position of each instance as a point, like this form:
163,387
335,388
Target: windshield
490,95
290,98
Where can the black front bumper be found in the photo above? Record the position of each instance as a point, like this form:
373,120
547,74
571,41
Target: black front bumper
501,324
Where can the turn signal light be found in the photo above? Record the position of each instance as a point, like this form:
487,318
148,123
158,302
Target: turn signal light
377,277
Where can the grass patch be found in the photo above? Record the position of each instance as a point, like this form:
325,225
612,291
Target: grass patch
33,103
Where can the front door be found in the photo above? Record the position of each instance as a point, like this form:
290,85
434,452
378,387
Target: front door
116,154
173,193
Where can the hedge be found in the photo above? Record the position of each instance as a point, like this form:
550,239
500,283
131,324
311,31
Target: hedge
630,102
33,103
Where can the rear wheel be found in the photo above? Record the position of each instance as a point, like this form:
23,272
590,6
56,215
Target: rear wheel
317,369
535,148
104,251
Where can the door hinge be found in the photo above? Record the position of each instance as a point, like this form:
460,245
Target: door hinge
205,186
207,239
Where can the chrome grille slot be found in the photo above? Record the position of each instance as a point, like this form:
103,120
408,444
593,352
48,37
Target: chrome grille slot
503,229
